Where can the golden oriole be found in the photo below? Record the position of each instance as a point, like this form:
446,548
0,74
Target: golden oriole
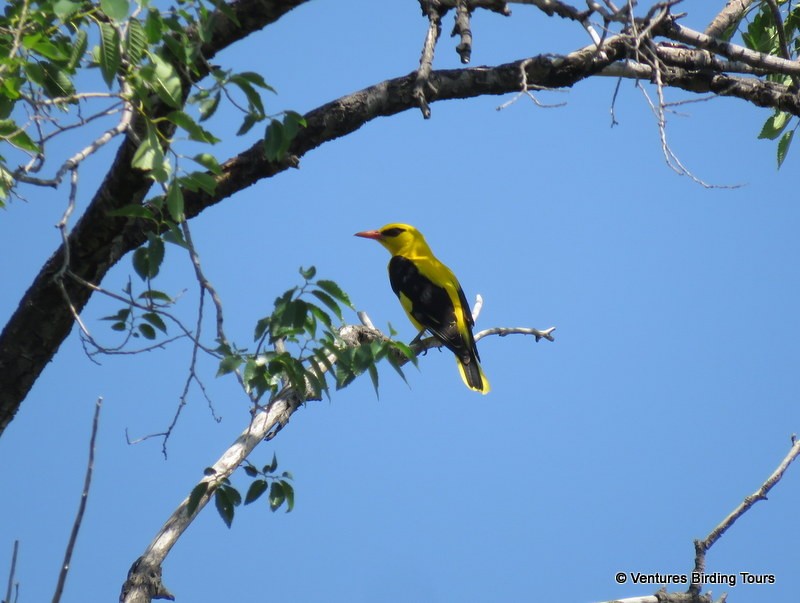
431,296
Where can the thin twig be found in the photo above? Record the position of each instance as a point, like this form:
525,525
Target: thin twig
12,571
62,577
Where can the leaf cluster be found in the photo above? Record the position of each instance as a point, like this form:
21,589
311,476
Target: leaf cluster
298,345
227,497
762,34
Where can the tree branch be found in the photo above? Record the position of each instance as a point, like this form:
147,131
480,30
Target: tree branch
702,546
144,578
42,320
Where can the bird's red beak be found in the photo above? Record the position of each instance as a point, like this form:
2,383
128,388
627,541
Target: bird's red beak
370,234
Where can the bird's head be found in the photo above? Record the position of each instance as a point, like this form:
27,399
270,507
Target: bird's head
397,238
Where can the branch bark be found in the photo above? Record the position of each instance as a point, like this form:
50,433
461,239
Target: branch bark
43,319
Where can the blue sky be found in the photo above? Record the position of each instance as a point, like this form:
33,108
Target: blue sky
669,394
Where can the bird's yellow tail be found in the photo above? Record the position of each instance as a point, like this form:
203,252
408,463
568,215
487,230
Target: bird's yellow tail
472,375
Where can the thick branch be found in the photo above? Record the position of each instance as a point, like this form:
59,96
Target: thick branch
43,320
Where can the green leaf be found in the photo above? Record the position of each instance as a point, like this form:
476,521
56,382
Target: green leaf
256,489
167,83
273,141
11,132
147,260
373,375
276,495
52,78
175,203
272,466
192,128
200,181
136,41
253,97
78,50
229,364
155,320
63,9
194,498
320,314
155,295
110,55
261,327
335,291
250,471
134,210
328,301
44,48
232,493
288,491
121,315
783,146
775,125
248,122
292,122
309,273
149,156
147,331
254,78
116,9
153,26
208,106
208,161
224,506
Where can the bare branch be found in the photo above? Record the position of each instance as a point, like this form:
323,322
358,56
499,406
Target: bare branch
702,546
734,52
431,9
62,577
462,29
504,331
12,571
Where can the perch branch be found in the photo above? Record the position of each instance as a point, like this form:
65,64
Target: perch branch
144,578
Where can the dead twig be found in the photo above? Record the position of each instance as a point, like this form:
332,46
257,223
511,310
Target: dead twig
76,526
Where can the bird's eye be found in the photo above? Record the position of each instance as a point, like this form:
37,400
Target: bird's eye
392,232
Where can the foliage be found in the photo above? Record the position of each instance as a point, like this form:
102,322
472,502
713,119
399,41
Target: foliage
147,61
766,34
306,347
227,497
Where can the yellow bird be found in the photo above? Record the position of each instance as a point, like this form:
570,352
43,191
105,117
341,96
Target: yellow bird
431,296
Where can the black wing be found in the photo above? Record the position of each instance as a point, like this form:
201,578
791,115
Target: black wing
431,306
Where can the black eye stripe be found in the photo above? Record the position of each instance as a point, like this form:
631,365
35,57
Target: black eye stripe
392,232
